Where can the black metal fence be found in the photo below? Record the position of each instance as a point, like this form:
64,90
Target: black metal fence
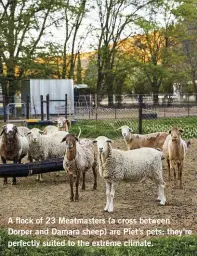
138,111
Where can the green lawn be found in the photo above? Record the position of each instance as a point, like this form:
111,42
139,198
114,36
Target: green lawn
169,246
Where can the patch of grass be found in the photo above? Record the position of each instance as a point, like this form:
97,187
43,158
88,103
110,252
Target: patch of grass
109,128
168,246
94,128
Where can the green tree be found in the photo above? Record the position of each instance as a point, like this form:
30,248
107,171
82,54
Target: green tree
22,25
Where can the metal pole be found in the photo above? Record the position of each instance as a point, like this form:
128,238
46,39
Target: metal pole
66,106
27,111
140,114
41,107
4,109
47,101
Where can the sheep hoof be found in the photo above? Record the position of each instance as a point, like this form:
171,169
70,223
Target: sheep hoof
110,210
14,183
71,199
5,183
83,188
162,203
94,187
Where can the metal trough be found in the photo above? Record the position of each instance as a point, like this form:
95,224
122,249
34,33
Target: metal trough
24,170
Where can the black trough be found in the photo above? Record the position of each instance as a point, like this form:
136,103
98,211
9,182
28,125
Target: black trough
24,170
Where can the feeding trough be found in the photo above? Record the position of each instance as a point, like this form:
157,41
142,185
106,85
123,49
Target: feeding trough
27,169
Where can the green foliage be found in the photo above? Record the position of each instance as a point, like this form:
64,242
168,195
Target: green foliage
109,128
171,246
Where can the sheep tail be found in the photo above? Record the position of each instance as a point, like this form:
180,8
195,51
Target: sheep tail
79,132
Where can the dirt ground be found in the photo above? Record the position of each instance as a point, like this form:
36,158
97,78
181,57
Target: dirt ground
49,200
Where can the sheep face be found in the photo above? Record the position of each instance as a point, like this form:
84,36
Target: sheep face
34,135
61,122
9,131
70,140
102,144
126,130
175,134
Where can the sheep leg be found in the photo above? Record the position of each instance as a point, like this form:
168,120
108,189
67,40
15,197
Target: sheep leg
108,188
77,186
14,178
168,166
112,193
95,177
83,181
71,186
175,169
161,195
39,177
180,169
5,180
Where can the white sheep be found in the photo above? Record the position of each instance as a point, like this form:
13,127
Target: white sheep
175,149
22,130
79,158
50,129
44,147
134,141
132,165
62,125
13,146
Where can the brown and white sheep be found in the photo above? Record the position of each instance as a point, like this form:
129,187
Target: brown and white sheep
13,146
79,158
151,140
62,125
175,149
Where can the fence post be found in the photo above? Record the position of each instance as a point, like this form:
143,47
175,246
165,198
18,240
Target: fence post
41,107
140,114
4,110
27,109
47,107
66,106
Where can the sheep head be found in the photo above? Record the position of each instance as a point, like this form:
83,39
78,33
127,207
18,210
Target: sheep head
175,134
62,122
102,144
34,135
9,130
126,131
70,140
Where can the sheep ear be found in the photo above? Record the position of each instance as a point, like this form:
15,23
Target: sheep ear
180,130
130,130
64,139
170,132
29,133
77,139
119,128
3,130
109,141
41,132
15,128
94,141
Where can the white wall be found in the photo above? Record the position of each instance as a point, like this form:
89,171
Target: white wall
56,88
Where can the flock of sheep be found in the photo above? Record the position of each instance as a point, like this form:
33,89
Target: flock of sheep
142,160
